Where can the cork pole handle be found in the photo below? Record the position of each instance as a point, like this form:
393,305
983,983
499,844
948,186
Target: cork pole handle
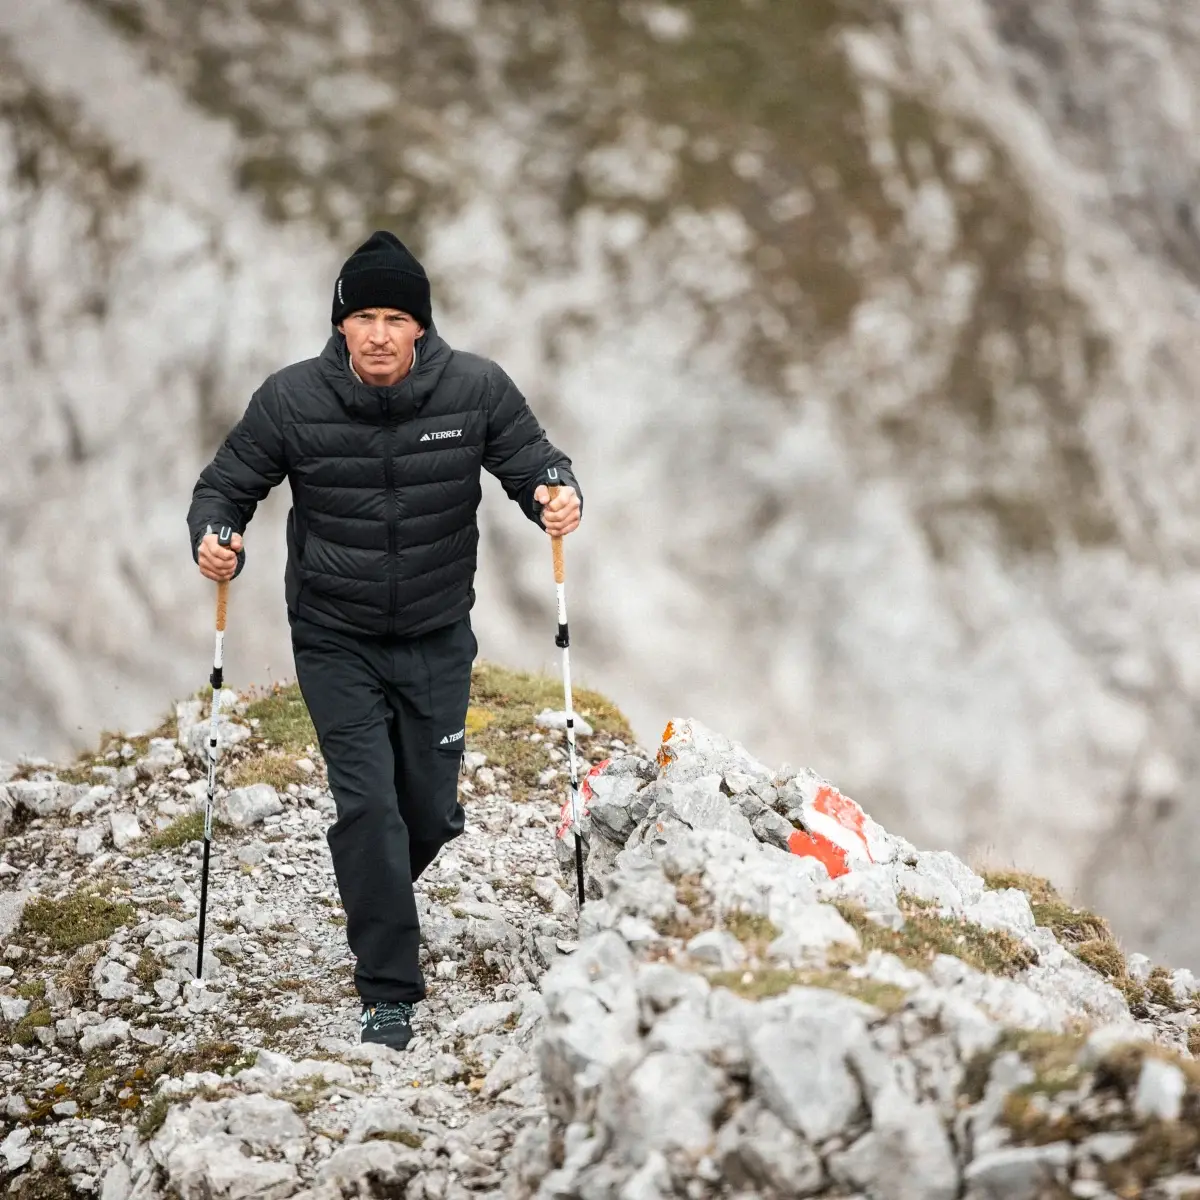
556,547
222,604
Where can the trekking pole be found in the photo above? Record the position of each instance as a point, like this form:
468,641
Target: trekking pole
564,640
224,537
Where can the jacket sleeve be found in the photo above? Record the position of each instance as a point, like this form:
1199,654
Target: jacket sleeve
250,462
517,450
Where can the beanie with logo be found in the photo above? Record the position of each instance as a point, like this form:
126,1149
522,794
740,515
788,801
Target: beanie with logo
382,273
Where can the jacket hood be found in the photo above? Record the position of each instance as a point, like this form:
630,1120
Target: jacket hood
400,401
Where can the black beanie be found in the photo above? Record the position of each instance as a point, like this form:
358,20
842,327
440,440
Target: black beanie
382,273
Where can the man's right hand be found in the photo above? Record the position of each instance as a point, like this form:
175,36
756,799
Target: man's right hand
217,562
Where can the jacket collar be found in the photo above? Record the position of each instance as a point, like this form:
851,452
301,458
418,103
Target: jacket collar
401,401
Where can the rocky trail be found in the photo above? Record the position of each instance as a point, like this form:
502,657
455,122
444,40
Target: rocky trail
766,994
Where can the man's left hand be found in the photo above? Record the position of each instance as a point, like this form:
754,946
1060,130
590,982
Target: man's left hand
560,516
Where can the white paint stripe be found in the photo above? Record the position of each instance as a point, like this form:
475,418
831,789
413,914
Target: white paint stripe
846,839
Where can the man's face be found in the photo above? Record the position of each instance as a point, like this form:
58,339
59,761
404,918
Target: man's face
381,343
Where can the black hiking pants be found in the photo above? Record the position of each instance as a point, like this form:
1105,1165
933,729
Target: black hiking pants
390,715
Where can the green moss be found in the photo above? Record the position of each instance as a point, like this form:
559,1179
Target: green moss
283,719
926,934
76,920
443,894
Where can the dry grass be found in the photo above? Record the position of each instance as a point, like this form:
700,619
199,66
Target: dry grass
501,718
926,934
763,983
268,766
1087,935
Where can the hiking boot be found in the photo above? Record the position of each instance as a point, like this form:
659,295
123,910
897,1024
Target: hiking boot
389,1024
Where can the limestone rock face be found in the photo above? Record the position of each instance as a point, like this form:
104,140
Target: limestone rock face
923,387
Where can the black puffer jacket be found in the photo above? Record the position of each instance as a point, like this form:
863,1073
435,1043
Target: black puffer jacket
385,481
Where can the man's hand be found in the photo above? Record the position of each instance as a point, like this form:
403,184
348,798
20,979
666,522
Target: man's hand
560,516
217,562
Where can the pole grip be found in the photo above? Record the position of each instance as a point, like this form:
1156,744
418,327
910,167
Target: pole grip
556,548
222,604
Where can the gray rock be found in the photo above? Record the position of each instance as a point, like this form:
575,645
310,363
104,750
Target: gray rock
12,905
1018,1172
512,1066
769,827
799,1066
125,829
216,1166
548,890
43,798
1108,1147
485,1018
16,1149
1007,909
247,806
1160,1090
77,1159
89,841
1139,967
380,1116
916,1160
700,804
107,1033
163,754
364,1170
610,805
557,719
13,1008
808,930
755,1149
667,1103
717,948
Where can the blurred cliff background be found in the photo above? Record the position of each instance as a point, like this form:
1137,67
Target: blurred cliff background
871,327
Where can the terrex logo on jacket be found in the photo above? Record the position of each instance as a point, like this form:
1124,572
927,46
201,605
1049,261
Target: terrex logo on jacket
385,482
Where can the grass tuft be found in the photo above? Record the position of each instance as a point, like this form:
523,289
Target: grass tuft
77,919
269,766
188,828
283,719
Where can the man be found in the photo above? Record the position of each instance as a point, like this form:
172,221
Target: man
382,439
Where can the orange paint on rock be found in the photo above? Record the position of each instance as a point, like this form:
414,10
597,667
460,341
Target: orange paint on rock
664,755
585,787
845,812
813,845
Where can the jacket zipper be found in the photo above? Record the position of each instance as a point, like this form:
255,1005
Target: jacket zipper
393,518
